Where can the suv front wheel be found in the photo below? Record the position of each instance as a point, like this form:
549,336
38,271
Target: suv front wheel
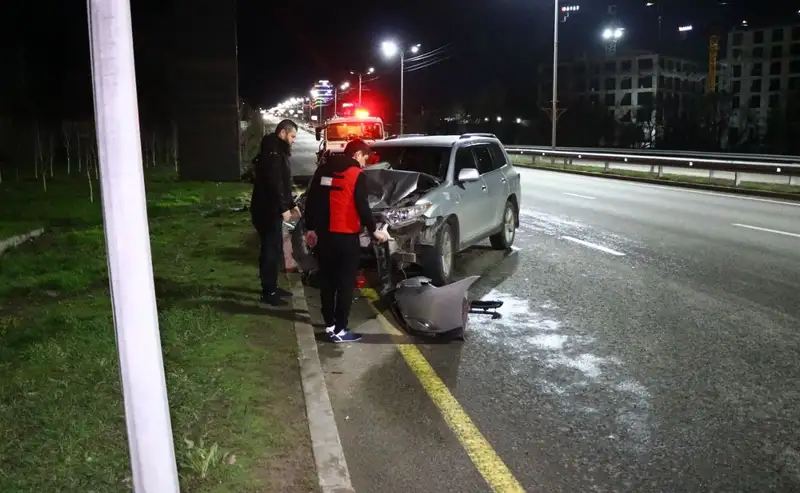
438,261
505,238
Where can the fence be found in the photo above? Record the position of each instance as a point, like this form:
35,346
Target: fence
659,161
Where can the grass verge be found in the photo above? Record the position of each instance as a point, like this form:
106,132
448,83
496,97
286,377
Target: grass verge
237,408
525,161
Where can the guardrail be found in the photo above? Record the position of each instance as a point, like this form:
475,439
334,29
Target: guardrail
658,160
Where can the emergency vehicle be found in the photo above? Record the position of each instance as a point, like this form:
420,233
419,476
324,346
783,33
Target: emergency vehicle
338,131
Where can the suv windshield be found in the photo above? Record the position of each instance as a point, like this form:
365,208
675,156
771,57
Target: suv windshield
352,130
421,159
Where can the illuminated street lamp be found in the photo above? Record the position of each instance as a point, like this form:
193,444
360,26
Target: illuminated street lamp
614,34
370,71
390,49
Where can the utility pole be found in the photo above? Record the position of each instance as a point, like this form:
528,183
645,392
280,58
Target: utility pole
559,15
402,78
554,108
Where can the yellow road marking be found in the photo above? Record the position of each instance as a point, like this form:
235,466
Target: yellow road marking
482,454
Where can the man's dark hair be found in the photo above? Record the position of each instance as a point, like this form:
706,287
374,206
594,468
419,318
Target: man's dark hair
356,145
287,125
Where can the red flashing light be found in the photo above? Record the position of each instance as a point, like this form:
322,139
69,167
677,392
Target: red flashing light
361,113
361,281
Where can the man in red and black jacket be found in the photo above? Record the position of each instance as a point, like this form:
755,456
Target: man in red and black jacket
336,210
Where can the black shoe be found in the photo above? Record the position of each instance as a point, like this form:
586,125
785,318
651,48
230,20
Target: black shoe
273,300
282,292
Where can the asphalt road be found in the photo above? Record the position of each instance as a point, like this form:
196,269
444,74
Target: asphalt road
304,153
648,342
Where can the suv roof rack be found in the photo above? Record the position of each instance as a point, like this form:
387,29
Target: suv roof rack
403,136
468,135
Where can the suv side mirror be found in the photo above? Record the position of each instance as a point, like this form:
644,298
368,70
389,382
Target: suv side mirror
467,175
317,132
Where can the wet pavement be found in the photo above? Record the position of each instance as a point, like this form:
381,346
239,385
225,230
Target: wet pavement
648,342
304,154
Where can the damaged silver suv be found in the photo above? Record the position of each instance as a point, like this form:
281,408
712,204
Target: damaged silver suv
438,195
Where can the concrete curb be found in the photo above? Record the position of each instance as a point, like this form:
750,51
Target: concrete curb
332,471
671,183
18,240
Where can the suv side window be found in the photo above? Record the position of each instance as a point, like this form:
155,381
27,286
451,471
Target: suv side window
498,158
464,160
484,158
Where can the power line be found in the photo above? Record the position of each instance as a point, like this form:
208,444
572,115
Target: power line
427,64
428,54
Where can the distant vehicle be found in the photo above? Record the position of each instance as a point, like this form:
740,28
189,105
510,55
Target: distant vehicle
338,131
441,194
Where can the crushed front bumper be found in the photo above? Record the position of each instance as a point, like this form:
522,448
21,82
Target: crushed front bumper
407,239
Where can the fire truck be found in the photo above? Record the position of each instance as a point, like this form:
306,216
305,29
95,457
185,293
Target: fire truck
338,131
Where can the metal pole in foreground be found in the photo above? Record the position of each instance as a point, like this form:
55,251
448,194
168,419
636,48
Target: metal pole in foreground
554,109
359,88
402,69
128,248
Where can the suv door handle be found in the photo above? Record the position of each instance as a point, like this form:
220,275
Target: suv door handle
503,179
483,187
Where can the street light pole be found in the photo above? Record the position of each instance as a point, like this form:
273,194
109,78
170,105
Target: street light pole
554,109
402,78
390,48
127,239
335,92
359,88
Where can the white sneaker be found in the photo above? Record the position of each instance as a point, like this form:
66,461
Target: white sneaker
344,336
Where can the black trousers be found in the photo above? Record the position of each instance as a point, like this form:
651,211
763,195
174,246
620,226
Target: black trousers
270,258
338,256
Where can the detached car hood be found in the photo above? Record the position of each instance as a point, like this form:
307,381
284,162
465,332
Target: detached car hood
388,187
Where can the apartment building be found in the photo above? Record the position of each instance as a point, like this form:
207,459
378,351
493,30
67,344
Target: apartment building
631,85
760,70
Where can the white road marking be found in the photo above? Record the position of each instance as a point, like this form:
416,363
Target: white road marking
767,230
720,194
579,196
594,246
685,190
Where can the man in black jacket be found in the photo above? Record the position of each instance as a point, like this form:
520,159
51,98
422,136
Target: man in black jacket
337,208
272,204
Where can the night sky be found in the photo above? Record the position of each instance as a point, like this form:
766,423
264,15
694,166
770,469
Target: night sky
284,46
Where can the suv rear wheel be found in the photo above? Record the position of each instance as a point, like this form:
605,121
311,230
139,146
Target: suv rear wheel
438,261
505,238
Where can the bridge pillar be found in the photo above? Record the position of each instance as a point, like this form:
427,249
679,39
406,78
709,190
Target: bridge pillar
205,90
